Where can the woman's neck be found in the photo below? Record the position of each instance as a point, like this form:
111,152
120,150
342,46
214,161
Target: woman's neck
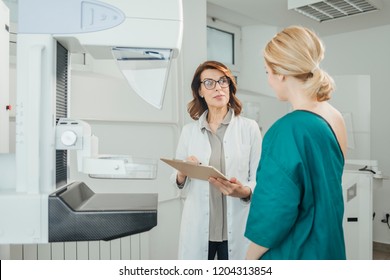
300,101
297,97
216,115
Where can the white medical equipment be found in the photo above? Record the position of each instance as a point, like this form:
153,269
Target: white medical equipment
4,77
358,182
143,37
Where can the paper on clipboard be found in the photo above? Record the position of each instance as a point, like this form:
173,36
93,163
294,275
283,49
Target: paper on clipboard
196,171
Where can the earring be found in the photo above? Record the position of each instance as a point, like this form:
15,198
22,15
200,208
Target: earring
201,96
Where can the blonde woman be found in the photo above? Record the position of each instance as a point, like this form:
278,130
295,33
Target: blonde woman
297,206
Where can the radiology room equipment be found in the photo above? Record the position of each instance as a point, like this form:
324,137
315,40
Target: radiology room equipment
359,178
37,203
4,78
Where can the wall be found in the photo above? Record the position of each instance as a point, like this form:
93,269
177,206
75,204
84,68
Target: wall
365,52
252,74
356,112
194,49
253,82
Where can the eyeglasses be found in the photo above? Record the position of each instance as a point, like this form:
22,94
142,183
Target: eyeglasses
223,82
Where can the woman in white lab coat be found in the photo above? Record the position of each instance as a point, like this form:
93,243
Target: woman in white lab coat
214,219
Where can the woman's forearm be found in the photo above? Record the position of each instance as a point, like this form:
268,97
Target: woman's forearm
255,251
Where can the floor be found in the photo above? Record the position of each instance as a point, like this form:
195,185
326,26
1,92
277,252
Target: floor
381,251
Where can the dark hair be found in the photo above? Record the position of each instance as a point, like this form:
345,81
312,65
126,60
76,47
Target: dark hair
198,105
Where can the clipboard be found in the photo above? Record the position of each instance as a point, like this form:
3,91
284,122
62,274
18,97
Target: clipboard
193,170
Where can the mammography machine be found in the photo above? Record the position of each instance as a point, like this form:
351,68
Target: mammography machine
37,203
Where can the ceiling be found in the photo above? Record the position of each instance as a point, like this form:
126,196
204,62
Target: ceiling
276,13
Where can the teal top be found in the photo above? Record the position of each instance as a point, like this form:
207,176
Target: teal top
297,206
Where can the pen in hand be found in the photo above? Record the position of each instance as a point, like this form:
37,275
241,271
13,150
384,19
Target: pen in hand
193,160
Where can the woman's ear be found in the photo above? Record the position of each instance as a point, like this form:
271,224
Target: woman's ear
281,77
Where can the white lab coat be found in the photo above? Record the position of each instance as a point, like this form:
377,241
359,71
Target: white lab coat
242,147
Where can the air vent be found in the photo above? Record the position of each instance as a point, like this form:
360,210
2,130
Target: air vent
331,9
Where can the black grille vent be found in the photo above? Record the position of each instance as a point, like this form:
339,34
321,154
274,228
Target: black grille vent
62,110
333,9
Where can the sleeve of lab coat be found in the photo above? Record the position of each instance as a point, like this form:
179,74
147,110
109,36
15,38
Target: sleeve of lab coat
256,141
182,152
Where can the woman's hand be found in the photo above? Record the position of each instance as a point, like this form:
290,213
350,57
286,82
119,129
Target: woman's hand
181,177
233,187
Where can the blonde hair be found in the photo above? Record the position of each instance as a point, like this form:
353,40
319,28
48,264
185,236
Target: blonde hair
297,51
